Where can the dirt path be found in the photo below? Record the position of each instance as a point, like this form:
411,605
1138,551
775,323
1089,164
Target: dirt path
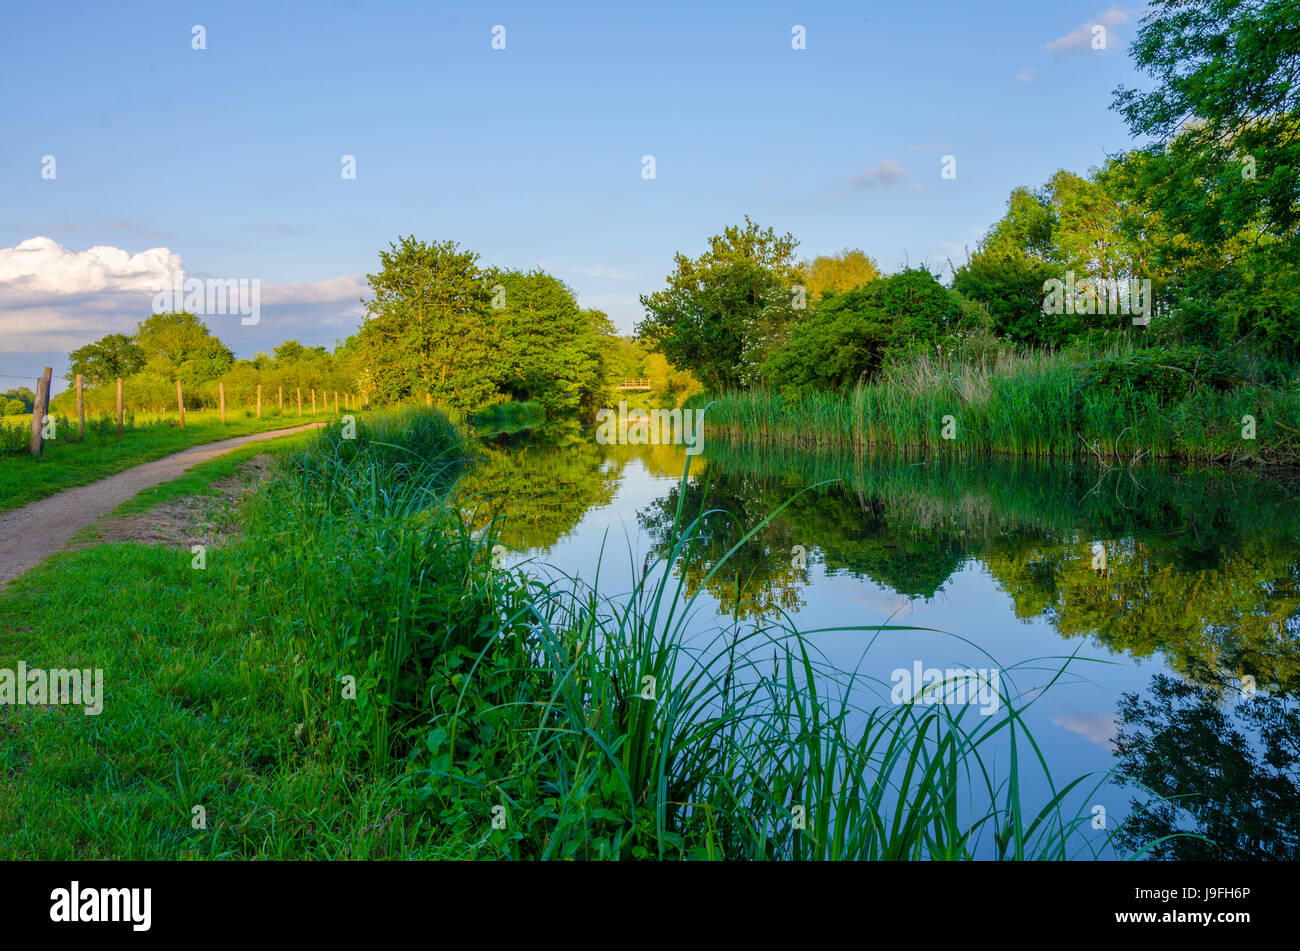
31,534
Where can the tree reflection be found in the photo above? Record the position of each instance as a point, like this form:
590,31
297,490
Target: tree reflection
1229,772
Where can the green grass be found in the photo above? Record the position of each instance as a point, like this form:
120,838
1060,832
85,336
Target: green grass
67,462
481,694
1045,405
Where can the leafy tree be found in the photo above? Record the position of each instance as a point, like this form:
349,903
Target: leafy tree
22,395
550,349
835,273
110,357
1224,113
179,346
723,312
428,328
1224,169
853,335
12,408
669,385
290,351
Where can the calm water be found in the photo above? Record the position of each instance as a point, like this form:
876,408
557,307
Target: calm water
1196,608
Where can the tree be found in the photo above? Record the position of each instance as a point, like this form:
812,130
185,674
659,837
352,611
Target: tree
289,352
12,408
110,357
550,349
23,396
723,312
179,346
852,335
429,327
1224,169
1224,113
834,273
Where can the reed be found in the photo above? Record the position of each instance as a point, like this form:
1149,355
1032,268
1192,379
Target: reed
1036,404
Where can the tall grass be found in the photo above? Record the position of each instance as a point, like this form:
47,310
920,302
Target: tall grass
1034,404
527,717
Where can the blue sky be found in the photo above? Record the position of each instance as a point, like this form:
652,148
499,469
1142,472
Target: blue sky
229,157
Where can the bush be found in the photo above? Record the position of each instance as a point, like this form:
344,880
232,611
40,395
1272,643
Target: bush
1168,374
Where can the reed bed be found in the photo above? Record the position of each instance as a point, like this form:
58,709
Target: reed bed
1036,404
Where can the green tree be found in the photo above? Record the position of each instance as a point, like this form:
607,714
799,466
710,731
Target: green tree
1224,169
179,346
22,395
853,335
109,357
550,350
428,326
835,273
723,312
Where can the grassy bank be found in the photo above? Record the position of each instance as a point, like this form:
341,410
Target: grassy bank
354,677
1124,406
67,462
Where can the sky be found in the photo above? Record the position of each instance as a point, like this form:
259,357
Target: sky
126,152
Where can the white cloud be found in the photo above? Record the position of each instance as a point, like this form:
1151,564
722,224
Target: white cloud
1081,39
1026,75
53,298
42,265
1099,728
888,173
349,287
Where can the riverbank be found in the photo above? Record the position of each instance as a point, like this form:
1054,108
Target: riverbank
1126,407
354,676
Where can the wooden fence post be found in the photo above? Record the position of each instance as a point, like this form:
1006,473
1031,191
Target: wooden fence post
300,401
279,398
81,410
180,403
40,406
313,402
221,396
259,401
428,400
119,406
336,401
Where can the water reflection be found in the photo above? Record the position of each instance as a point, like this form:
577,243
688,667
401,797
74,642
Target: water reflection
1196,571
